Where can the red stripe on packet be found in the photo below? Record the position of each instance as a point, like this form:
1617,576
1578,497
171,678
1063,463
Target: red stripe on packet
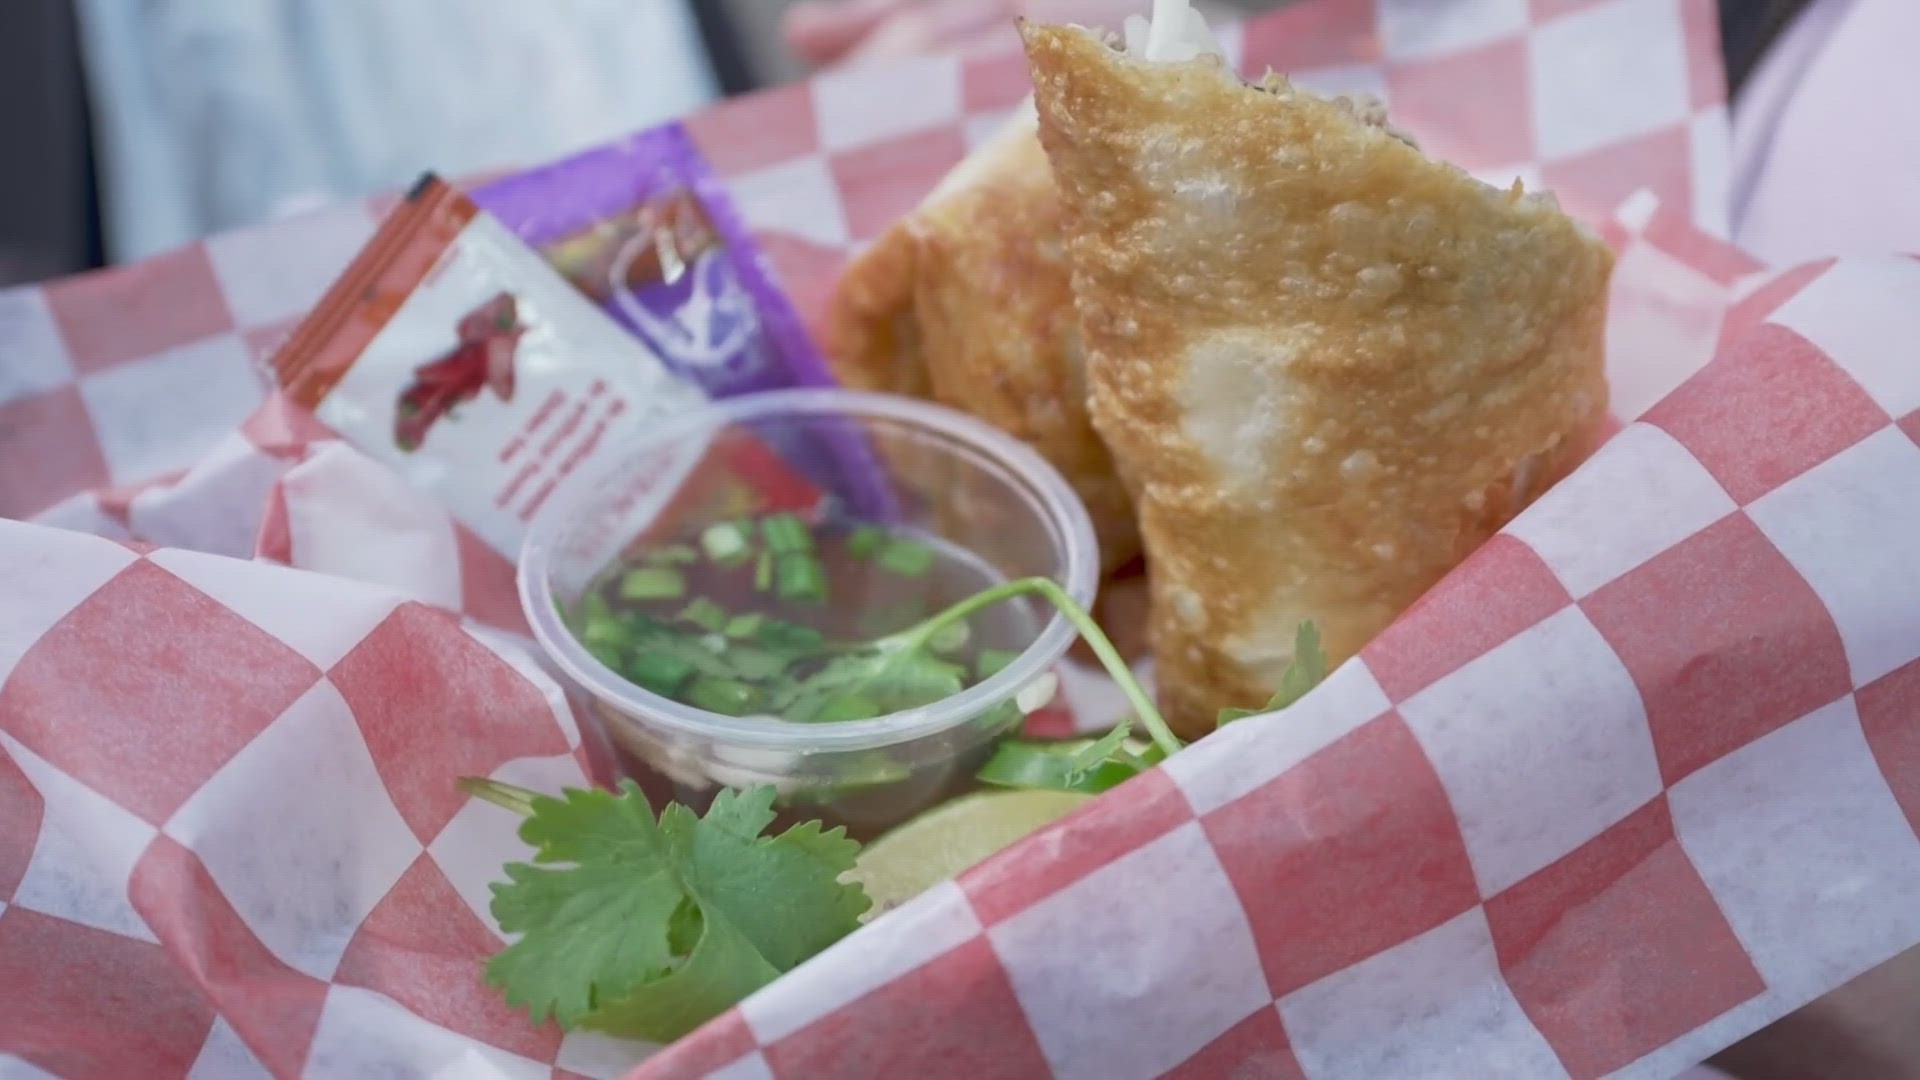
365,298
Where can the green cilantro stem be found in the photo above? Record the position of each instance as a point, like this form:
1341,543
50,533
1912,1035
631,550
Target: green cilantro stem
919,637
505,796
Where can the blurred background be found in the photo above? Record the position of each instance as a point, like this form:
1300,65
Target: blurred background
134,126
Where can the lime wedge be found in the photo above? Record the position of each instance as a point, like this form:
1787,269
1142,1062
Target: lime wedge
952,837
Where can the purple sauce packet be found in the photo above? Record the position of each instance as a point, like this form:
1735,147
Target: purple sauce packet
645,228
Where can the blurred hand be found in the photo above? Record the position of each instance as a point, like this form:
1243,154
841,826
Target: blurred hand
825,32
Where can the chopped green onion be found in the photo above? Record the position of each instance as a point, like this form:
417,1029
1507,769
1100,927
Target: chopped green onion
745,626
786,534
992,662
608,632
907,558
653,583
673,555
763,573
659,672
951,638
802,578
706,615
866,541
608,642
725,542
728,697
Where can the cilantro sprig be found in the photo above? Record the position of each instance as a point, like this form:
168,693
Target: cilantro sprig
1095,766
647,928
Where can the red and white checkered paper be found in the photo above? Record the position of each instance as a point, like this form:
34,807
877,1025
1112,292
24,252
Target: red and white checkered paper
1597,99
1639,778
1646,787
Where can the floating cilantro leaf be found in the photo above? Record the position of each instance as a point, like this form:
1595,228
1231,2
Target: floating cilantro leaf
647,928
789,639
651,638
892,678
1308,670
706,615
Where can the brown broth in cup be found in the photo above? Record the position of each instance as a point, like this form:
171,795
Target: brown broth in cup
779,618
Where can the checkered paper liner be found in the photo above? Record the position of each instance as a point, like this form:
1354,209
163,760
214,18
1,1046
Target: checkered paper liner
284,489
1639,778
243,996
1636,780
817,171
1596,99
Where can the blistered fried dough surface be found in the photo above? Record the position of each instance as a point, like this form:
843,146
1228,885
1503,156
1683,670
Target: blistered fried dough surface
870,333
969,302
1328,367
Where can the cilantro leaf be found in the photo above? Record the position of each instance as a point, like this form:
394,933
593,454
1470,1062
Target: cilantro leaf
649,637
1084,765
734,870
646,928
722,971
893,678
1098,752
1308,670
593,931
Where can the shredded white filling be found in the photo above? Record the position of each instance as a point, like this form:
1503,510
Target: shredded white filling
1177,34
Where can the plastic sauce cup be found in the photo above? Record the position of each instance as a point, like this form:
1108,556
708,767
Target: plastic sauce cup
947,478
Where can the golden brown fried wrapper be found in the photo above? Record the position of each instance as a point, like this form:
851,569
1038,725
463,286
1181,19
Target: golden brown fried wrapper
1328,367
969,302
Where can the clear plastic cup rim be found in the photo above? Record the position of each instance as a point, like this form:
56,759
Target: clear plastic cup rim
1065,514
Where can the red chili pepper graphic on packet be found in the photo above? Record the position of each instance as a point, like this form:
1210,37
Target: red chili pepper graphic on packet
446,313
489,337
544,383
